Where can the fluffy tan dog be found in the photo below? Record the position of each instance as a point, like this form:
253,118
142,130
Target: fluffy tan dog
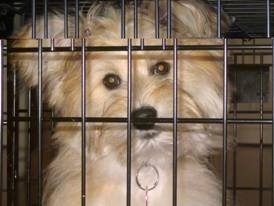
200,87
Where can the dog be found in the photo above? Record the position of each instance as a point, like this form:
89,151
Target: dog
199,95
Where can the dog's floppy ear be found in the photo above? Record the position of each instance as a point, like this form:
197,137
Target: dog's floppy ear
26,62
192,18
198,17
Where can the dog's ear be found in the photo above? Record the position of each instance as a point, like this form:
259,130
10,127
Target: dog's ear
24,56
190,18
197,19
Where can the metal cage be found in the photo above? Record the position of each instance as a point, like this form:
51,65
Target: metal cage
245,166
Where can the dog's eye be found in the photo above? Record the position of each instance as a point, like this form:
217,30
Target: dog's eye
112,81
161,68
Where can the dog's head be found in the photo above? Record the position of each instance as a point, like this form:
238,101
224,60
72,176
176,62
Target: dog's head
151,89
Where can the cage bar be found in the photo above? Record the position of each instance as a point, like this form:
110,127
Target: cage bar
45,19
52,44
135,19
219,18
261,156
129,120
169,19
1,116
157,22
123,19
83,124
65,19
225,123
235,153
175,122
29,112
33,16
158,120
164,46
77,15
268,15
40,120
272,84
12,141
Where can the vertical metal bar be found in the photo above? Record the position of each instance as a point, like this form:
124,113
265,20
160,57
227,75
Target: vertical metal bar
135,18
72,44
129,109
175,108
243,51
219,19
163,44
169,13
11,101
142,43
65,19
261,139
272,199
157,22
261,130
14,143
40,116
33,145
77,28
224,193
1,117
83,123
46,19
268,18
234,192
123,19
29,150
253,52
52,44
33,19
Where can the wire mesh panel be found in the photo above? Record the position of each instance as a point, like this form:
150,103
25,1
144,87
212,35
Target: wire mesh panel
2,43
137,103
254,134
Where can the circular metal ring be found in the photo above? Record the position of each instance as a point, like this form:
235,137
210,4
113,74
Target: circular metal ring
157,177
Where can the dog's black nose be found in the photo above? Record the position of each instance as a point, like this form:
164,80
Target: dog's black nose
141,117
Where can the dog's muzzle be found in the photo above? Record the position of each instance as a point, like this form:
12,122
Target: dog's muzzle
143,117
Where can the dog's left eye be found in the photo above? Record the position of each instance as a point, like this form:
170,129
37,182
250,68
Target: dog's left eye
161,68
112,81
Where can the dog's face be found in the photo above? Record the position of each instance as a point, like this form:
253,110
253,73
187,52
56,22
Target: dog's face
151,97
151,80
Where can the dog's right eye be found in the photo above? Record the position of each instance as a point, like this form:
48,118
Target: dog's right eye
161,68
112,81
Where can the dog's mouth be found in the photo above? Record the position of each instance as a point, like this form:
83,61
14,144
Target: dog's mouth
151,144
148,134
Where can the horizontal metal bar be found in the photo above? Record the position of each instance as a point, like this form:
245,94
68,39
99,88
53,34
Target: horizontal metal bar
251,188
25,111
254,145
143,47
155,120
